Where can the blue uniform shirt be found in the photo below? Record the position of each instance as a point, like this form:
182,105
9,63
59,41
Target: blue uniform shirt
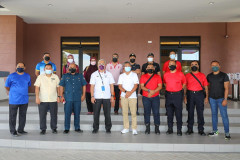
18,85
73,86
41,65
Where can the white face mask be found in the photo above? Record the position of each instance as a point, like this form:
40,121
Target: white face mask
150,59
70,60
172,56
93,63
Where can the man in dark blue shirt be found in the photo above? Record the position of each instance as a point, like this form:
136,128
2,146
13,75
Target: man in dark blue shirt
17,84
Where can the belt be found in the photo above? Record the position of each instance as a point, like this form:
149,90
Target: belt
195,91
174,92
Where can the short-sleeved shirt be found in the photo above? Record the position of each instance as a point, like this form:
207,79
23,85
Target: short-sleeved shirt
48,87
166,66
73,84
216,84
115,70
174,81
135,66
156,66
152,84
128,82
18,85
99,79
193,84
41,65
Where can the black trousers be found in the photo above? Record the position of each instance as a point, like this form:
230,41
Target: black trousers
137,96
107,111
43,109
174,104
195,99
89,103
117,95
13,109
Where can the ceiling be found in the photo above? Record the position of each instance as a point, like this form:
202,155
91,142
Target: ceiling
123,11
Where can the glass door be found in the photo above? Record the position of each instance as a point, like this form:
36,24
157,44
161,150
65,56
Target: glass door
188,55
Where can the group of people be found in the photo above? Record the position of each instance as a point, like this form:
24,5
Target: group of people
104,84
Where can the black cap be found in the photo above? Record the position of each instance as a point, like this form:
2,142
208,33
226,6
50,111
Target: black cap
150,54
132,54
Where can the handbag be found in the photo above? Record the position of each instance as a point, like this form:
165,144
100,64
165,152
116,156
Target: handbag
204,91
146,83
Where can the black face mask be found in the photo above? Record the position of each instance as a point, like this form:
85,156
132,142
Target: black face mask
194,68
150,71
172,67
47,58
114,59
72,70
20,70
132,60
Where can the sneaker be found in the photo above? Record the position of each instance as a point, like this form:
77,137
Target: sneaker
134,132
213,133
125,131
227,136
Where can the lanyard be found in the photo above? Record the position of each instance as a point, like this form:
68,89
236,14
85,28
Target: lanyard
101,78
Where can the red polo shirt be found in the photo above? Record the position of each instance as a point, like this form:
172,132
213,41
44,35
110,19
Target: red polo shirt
174,81
166,68
152,84
192,83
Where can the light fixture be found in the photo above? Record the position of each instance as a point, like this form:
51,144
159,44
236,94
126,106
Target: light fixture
50,5
211,3
3,8
129,4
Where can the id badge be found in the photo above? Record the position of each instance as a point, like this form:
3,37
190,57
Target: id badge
103,88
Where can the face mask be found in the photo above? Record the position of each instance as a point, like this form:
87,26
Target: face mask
215,68
172,56
70,60
47,58
132,60
72,70
101,67
150,71
20,70
194,68
114,59
127,69
93,63
150,59
48,71
172,67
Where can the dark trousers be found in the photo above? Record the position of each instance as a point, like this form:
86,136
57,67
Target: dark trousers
174,104
154,105
137,96
117,95
43,109
106,109
195,99
13,109
69,107
89,103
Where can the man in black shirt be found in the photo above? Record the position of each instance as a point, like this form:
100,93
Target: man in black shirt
218,93
151,61
135,68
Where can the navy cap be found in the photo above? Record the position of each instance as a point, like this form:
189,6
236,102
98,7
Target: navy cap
132,54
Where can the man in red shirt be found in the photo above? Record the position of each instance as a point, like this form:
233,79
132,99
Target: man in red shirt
194,95
172,56
175,82
151,99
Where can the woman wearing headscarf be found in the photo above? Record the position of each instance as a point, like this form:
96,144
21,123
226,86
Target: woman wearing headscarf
87,75
70,60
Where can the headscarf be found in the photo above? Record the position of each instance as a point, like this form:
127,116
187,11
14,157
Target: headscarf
90,70
68,58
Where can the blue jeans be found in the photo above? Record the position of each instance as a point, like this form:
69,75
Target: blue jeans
74,106
154,104
215,104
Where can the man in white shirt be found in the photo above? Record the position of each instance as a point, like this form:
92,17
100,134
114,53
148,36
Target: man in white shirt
128,83
102,91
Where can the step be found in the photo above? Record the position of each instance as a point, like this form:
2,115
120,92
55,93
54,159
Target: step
121,142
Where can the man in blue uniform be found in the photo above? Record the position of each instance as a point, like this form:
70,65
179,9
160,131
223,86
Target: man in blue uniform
41,65
75,89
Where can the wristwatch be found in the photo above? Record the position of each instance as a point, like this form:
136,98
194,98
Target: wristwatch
59,96
148,90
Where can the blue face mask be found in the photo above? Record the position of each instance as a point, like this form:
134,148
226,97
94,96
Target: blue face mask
172,56
48,71
127,69
20,70
215,68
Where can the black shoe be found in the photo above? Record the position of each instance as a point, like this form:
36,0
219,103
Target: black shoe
54,131
116,112
169,131
65,131
95,131
22,132
78,130
108,131
179,133
43,132
157,131
138,113
189,132
14,134
147,131
202,133
227,137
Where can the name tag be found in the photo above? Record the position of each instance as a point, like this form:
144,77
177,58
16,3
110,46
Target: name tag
103,88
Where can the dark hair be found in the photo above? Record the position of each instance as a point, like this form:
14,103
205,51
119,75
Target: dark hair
195,61
127,62
215,61
150,65
172,51
48,65
46,53
115,54
150,54
22,63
